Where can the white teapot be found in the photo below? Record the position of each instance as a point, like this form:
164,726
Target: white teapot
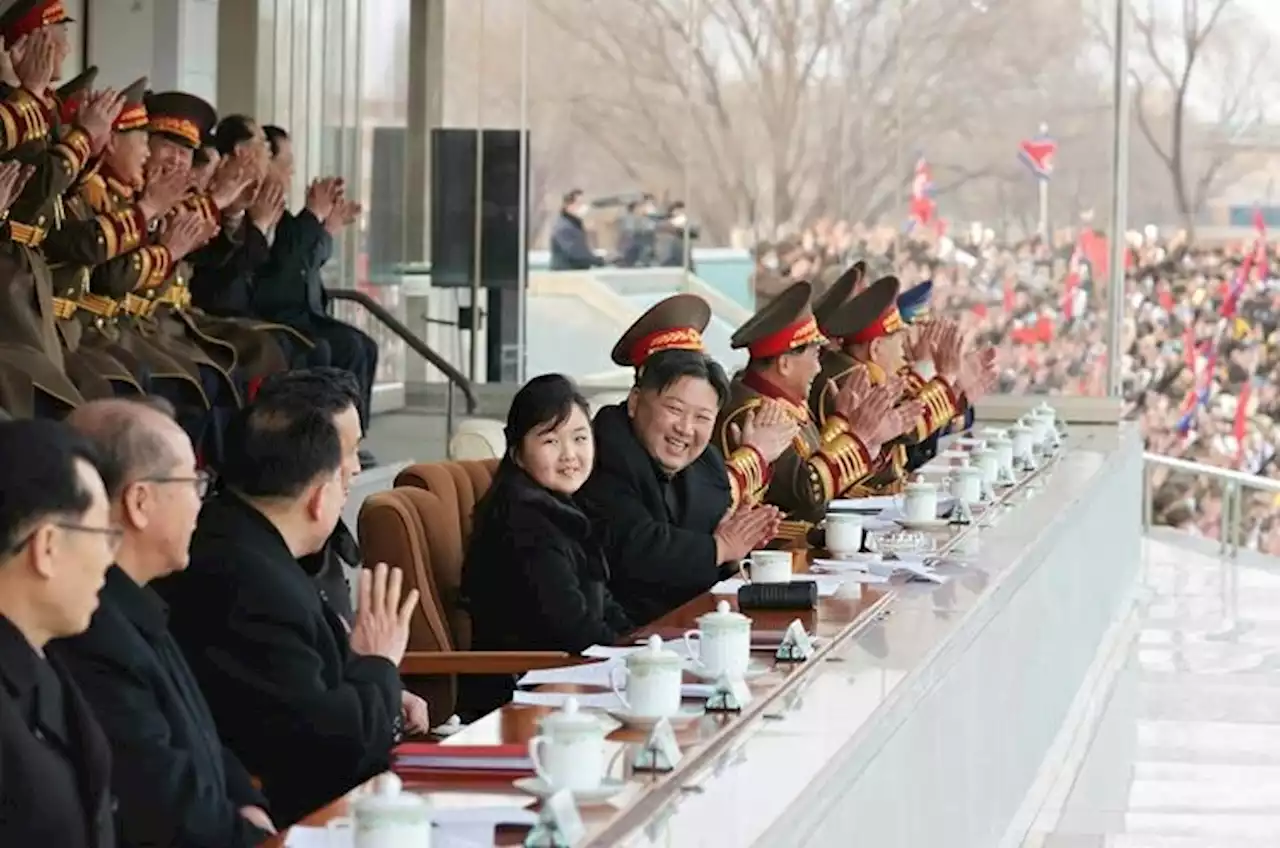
388,818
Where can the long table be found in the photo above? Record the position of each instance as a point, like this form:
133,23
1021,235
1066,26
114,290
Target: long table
926,710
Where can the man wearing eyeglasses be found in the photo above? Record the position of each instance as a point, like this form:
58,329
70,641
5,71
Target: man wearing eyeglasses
176,783
56,544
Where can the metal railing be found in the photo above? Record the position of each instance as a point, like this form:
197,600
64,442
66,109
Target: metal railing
453,376
1234,485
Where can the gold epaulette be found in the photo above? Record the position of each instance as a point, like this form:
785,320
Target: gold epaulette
26,234
139,307
63,308
103,307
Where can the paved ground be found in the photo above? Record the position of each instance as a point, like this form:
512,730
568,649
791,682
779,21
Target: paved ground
1187,751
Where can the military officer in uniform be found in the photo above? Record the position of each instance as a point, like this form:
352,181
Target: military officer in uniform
93,233
824,462
877,354
180,124
29,341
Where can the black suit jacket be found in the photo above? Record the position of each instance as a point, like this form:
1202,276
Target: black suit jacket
659,559
177,786
305,715
55,769
223,271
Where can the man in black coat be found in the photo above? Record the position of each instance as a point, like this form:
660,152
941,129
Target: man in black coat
177,784
57,539
290,289
311,712
674,515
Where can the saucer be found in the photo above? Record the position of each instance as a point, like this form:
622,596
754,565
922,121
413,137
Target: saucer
538,787
927,524
685,717
754,670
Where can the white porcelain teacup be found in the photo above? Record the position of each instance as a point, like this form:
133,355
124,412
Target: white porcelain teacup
769,566
966,484
569,752
652,678
919,502
844,532
385,818
724,642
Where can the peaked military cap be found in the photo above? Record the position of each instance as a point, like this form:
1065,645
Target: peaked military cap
784,324
838,292
24,17
72,93
888,322
913,303
134,114
675,323
862,310
179,116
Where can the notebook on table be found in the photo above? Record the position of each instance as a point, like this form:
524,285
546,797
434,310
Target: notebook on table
431,758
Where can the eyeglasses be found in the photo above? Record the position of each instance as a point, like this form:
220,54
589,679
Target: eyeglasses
114,535
202,481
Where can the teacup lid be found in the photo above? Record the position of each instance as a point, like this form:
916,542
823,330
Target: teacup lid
388,795
1020,428
570,717
994,432
721,617
1045,409
653,653
966,471
920,485
985,453
1001,442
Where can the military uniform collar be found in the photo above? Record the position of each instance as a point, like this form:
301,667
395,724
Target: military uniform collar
760,384
117,186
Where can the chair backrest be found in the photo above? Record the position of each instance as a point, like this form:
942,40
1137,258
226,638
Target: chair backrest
463,484
478,438
417,531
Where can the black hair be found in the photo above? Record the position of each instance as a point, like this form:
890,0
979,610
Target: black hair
336,388
676,206
571,196
231,131
39,479
126,450
274,135
545,402
666,367
287,438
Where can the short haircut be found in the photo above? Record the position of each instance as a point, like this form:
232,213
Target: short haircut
39,479
571,196
335,387
201,156
287,438
230,131
129,447
666,367
275,135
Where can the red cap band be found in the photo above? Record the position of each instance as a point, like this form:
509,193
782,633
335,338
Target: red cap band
801,333
674,338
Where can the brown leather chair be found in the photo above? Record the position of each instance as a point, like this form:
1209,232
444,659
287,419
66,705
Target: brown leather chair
420,530
463,483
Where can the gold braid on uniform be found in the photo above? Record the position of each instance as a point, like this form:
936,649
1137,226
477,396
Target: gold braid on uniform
73,151
940,406
841,462
748,474
118,231
22,119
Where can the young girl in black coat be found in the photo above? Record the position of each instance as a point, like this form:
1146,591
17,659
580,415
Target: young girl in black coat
535,578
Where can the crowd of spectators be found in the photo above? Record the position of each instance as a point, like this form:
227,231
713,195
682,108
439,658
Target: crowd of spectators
1200,363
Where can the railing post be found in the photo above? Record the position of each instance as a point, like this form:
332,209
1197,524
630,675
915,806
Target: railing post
1237,519
1148,508
448,420
1226,520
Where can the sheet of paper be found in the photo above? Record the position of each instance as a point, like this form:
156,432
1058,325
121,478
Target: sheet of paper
828,584
852,571
587,674
586,700
319,837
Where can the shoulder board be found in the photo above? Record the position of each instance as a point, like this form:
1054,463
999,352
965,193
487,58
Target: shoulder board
93,191
735,414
